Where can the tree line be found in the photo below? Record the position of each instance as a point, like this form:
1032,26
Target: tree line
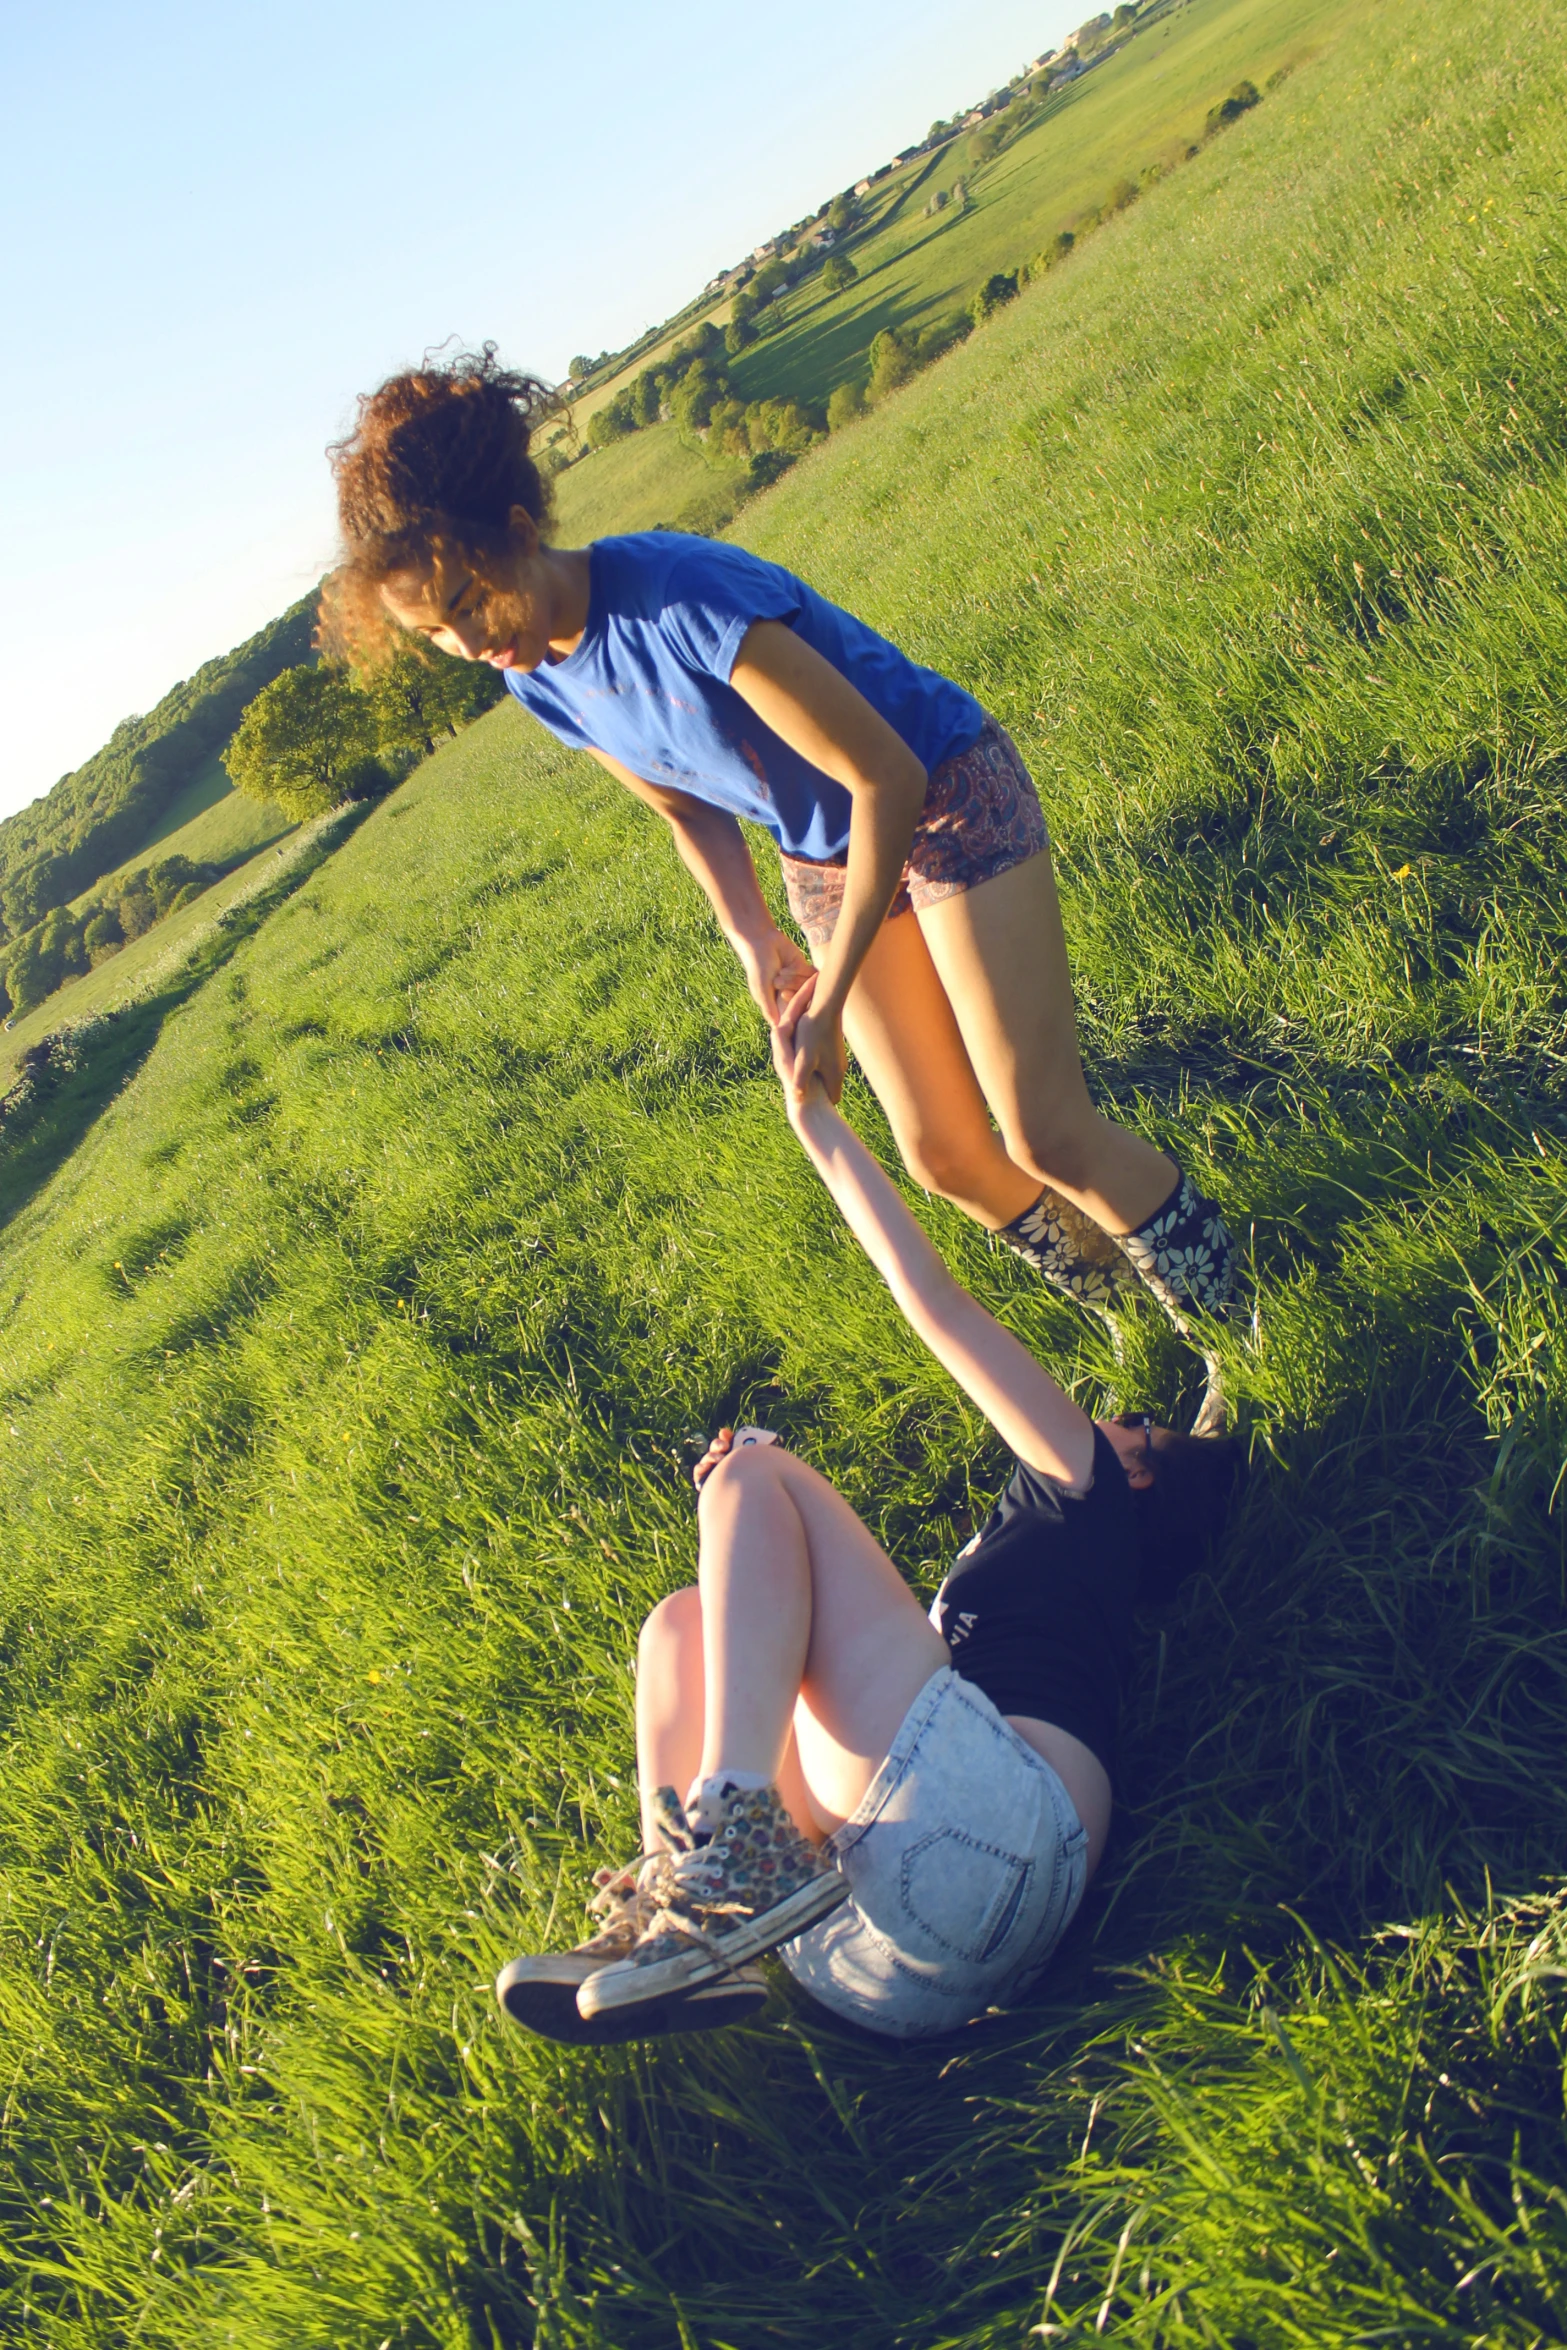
99,814
317,736
72,940
312,738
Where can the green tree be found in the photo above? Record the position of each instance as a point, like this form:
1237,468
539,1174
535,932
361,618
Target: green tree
839,274
29,974
1244,96
304,743
613,422
726,427
992,294
783,426
101,934
62,944
892,363
579,367
847,405
741,330
697,394
842,213
770,280
644,397
420,693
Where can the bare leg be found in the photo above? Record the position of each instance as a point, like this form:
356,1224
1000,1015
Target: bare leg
905,1038
863,1595
670,1689
1001,958
806,1622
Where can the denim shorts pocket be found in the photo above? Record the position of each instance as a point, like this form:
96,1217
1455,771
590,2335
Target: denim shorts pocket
964,1893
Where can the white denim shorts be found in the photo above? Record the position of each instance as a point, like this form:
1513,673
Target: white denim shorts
966,1862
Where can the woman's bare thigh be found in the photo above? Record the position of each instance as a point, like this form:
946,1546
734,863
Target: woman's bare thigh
872,1650
900,1023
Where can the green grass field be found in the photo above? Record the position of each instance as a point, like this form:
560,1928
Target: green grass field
1144,106
352,1360
121,977
210,822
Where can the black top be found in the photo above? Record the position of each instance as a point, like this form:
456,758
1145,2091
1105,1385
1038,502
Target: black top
1037,1611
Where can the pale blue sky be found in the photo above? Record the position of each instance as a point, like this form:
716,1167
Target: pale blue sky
218,224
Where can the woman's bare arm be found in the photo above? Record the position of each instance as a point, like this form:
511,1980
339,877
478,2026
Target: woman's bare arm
1031,1414
713,849
828,721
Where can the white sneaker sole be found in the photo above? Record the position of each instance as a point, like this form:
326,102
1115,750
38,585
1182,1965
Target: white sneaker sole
626,1984
545,2002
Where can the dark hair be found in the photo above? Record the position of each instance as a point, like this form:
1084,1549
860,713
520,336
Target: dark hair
1179,1516
438,457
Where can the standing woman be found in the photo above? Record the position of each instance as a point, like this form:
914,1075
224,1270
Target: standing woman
915,854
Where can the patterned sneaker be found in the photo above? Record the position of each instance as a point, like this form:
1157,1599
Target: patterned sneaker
541,1993
757,1882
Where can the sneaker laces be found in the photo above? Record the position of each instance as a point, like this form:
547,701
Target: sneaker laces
642,1888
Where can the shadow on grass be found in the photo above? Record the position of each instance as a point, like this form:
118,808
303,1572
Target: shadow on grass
38,1139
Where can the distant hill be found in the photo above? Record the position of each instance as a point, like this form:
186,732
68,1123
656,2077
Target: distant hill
934,239
107,810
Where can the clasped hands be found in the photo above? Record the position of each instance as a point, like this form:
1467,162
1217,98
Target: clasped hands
806,1044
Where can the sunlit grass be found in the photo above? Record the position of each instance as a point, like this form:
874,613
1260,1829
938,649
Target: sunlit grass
349,1366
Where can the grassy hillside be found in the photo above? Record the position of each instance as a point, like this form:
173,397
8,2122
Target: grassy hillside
209,820
352,1360
122,976
1137,112
99,817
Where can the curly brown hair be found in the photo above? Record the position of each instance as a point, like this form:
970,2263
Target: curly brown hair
436,461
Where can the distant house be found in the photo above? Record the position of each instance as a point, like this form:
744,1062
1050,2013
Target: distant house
972,121
760,252
862,187
825,237
909,153
1068,73
714,284
1040,63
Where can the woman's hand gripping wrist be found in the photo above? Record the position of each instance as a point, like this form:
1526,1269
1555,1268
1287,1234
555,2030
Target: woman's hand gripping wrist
775,970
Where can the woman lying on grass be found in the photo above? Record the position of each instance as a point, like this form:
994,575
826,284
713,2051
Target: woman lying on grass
910,1806
717,686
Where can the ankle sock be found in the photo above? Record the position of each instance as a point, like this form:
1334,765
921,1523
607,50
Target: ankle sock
705,1798
1068,1249
1184,1253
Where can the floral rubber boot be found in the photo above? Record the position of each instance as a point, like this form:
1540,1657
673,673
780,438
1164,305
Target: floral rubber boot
754,1883
540,1993
1184,1254
1070,1251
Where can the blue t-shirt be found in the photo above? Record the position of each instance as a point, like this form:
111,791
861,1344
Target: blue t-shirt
649,684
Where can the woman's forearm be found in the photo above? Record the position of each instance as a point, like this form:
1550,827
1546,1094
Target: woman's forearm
881,828
1031,1414
713,850
871,1207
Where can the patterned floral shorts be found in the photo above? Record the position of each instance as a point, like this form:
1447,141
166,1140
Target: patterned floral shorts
981,817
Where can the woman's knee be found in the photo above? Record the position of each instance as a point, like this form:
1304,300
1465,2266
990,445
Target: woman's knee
675,1621
1058,1144
958,1168
748,1466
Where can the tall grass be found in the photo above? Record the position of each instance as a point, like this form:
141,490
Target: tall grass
352,1359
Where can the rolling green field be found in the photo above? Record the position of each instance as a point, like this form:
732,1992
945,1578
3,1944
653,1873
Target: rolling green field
353,1356
1142,107
121,977
210,821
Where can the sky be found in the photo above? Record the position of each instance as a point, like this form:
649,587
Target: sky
220,224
